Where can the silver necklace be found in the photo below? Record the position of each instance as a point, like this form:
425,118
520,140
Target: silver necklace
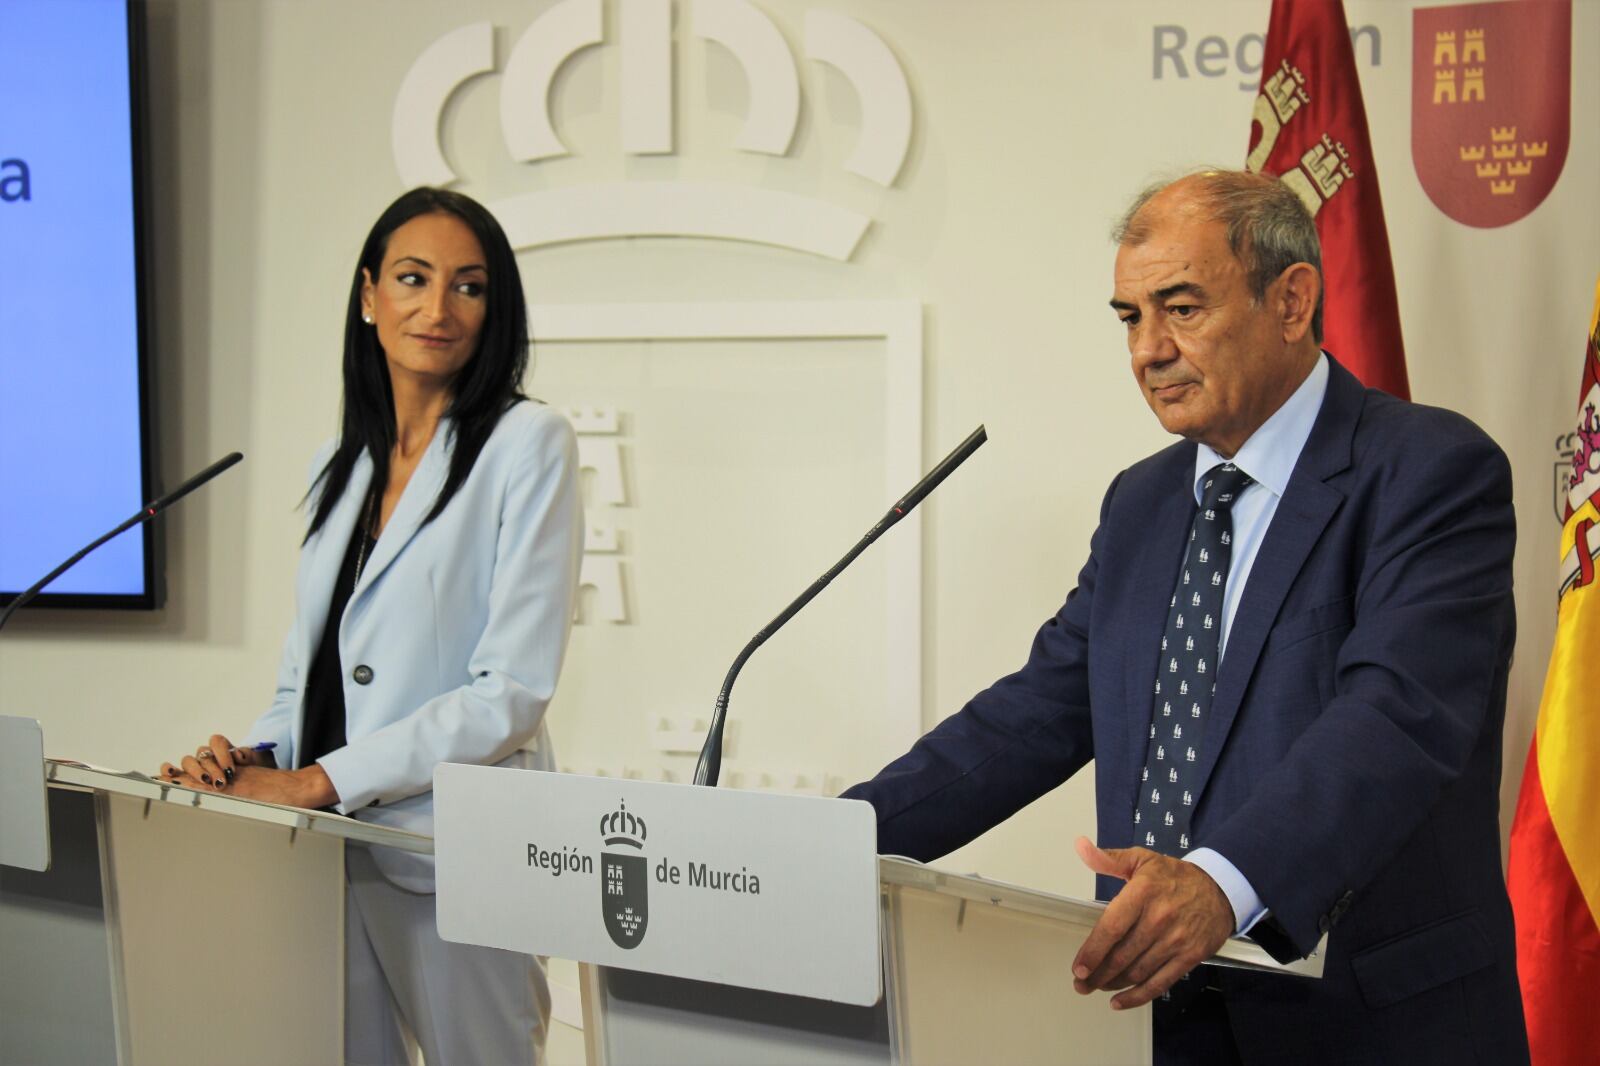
366,530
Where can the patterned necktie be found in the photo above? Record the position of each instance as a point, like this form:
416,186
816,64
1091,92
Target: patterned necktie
1187,675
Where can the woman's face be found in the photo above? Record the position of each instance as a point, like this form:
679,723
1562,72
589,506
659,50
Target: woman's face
429,299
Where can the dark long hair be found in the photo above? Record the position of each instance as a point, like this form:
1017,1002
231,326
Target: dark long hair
485,389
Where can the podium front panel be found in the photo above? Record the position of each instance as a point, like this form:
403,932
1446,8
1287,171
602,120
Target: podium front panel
738,888
57,1001
973,982
220,917
637,1018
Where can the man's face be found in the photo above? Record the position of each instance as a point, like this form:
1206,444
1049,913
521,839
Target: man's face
1213,363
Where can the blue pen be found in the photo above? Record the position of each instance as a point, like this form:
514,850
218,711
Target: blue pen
265,745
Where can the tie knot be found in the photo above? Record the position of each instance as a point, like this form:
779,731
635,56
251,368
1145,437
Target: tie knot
1222,485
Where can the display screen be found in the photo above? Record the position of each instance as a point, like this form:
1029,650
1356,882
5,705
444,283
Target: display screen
74,440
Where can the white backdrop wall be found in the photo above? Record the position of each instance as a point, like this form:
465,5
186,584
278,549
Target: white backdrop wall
748,464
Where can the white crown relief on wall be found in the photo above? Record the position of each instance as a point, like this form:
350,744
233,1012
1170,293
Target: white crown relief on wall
647,88
642,30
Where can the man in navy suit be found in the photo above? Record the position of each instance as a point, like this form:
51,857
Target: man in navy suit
1287,657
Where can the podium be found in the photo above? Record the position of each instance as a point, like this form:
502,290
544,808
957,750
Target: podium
974,971
164,910
971,970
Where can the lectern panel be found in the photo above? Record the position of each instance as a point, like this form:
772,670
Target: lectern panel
55,983
648,1018
974,982
183,877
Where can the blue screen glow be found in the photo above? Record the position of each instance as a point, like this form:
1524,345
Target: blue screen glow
70,442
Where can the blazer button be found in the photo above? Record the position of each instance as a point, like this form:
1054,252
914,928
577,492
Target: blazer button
362,674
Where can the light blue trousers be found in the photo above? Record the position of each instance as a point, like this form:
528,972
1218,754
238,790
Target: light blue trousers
460,1005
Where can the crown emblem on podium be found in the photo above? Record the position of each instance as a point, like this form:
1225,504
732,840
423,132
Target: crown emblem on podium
644,37
1503,188
1502,134
620,827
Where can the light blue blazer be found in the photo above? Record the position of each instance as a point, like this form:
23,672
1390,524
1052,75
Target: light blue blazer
462,623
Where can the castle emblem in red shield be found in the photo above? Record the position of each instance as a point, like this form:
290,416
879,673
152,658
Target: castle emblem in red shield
1490,86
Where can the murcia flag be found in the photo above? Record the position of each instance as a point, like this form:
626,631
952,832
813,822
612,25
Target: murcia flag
1554,870
1490,100
1310,129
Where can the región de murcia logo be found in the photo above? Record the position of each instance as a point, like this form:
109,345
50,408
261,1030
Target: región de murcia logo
625,873
624,881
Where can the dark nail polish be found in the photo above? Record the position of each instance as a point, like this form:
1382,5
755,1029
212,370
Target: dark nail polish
229,773
206,778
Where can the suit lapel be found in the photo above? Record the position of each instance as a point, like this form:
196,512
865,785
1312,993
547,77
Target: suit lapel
324,556
1150,595
1308,504
326,553
415,503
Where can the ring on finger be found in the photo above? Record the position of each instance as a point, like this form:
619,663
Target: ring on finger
205,753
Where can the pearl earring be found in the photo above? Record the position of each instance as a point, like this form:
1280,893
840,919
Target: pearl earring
367,319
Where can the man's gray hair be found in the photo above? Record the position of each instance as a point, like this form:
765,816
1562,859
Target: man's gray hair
1269,228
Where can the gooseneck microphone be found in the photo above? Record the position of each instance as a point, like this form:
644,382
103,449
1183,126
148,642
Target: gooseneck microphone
710,764
149,511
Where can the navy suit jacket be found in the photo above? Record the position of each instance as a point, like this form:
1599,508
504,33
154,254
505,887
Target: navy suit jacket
1350,766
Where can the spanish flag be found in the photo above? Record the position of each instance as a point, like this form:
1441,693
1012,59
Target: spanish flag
1554,874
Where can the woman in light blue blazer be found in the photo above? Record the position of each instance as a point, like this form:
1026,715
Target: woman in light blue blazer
444,538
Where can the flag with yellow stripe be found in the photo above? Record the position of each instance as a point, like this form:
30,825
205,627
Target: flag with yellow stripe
1554,872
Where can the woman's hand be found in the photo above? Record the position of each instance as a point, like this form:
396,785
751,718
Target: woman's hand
218,766
308,787
214,764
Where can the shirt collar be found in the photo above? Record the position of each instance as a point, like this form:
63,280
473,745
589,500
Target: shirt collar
1271,452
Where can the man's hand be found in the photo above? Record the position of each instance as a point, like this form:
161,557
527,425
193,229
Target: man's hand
1169,918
